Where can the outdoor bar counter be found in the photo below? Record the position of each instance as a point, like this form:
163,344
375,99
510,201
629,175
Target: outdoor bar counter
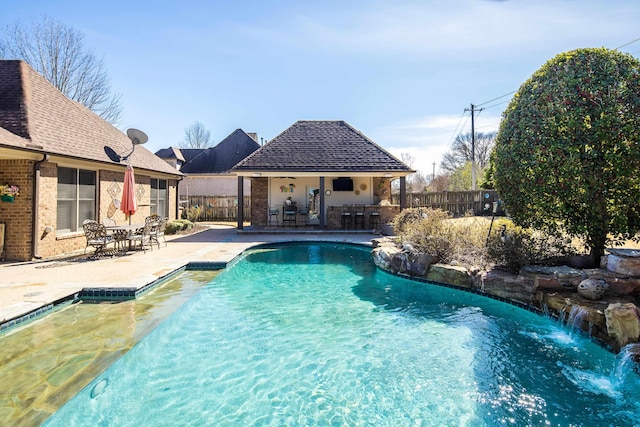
335,218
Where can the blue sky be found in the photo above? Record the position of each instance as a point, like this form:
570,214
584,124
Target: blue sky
402,71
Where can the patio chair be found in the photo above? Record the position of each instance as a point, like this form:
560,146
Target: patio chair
121,239
97,237
290,214
157,231
142,236
119,236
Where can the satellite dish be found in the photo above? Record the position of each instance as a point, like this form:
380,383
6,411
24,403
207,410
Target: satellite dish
136,136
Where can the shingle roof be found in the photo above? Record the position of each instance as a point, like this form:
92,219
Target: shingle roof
322,146
226,154
190,153
170,153
49,122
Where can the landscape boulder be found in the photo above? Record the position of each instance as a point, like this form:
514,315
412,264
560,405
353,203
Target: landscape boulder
451,275
623,323
624,261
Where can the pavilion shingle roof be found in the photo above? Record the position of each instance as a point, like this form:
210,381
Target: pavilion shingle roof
322,146
35,116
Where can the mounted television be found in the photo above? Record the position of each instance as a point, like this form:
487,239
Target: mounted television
343,184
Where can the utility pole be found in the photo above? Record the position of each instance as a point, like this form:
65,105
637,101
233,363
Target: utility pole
473,146
433,175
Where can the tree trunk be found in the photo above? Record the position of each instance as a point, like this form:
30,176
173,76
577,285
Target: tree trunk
597,251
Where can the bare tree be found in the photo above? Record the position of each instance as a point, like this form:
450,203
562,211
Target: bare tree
196,136
440,183
408,159
460,152
420,181
56,51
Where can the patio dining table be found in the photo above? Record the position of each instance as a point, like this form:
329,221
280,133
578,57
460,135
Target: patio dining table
123,231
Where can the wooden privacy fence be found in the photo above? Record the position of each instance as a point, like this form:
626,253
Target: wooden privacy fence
218,208
457,203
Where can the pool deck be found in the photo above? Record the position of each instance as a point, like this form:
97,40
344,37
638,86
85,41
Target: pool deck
31,287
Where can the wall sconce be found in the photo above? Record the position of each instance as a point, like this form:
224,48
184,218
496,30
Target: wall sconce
48,229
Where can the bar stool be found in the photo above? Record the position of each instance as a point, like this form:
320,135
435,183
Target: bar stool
374,217
345,217
273,213
358,219
303,213
290,215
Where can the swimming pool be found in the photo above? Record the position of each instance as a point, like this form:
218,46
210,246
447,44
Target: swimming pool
314,334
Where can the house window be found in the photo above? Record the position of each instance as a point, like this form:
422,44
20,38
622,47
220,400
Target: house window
159,197
76,199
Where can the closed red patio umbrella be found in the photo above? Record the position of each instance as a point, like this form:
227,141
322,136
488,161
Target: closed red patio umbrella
128,204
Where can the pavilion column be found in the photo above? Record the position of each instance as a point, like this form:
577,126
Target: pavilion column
240,202
322,205
403,192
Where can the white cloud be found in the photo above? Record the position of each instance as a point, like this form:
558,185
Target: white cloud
451,28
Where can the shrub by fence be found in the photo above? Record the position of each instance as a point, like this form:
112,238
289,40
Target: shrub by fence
217,208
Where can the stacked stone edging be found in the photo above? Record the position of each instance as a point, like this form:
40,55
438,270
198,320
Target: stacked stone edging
613,320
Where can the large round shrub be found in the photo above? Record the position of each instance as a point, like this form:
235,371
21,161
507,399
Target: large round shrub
567,154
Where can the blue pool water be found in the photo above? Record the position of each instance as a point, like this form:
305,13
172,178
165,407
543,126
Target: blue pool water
314,334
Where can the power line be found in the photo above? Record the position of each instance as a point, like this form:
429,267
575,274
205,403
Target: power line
492,126
627,44
458,126
495,105
494,99
473,107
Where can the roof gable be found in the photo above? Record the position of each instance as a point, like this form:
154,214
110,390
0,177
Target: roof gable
13,112
322,146
221,158
49,122
170,153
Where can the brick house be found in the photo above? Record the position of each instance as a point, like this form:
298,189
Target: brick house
67,163
321,167
207,170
